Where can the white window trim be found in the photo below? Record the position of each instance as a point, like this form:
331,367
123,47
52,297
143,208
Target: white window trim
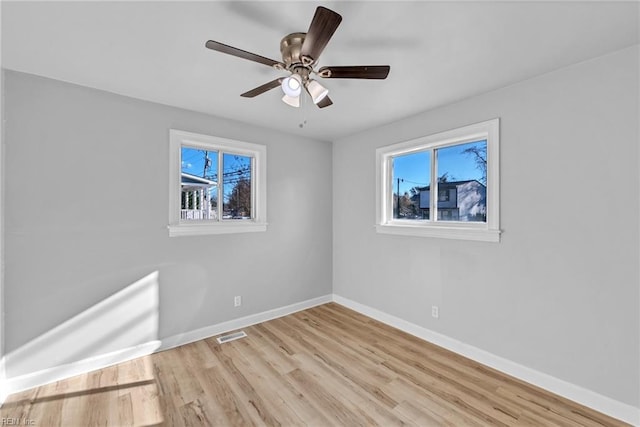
488,232
177,227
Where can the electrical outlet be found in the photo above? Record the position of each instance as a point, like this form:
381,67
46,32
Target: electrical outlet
237,301
435,312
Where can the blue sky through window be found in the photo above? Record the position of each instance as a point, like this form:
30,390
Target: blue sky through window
193,162
414,168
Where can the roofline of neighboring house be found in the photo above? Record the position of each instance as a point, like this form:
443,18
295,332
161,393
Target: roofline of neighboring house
451,183
197,178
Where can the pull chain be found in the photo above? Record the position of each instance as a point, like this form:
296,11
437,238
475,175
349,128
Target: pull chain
303,104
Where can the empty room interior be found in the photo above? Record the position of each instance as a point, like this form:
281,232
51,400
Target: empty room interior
300,213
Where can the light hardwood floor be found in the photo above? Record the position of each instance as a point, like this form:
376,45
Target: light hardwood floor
324,366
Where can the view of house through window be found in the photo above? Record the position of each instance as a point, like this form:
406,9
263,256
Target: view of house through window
459,175
202,185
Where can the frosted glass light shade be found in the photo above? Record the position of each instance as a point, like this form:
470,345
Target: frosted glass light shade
292,85
294,101
317,91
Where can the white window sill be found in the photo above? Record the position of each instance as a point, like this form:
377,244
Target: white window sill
481,234
198,229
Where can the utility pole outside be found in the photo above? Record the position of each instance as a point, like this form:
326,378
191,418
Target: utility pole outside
207,163
398,198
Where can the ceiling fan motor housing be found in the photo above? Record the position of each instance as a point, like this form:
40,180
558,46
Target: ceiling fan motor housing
291,48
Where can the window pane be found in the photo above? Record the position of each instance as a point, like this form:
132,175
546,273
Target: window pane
198,183
411,179
462,182
237,186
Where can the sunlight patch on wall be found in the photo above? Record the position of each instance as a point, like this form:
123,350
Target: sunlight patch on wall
126,320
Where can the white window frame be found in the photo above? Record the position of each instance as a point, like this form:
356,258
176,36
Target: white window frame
488,231
258,153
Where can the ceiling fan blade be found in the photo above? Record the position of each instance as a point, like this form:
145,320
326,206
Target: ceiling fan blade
323,25
326,101
230,50
262,89
355,72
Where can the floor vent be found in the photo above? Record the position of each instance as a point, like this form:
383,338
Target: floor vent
231,337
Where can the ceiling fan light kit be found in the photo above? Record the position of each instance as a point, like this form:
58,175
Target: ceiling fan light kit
300,53
316,90
293,101
292,86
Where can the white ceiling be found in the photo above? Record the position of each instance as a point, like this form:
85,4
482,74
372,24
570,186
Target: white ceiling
439,52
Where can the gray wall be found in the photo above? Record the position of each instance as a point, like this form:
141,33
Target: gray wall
87,210
560,293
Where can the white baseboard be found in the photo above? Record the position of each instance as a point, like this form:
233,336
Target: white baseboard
591,399
56,373
243,322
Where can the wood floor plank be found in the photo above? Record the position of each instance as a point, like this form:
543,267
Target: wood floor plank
343,362
276,384
430,405
420,416
234,409
325,366
124,410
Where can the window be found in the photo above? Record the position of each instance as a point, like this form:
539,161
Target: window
444,185
217,185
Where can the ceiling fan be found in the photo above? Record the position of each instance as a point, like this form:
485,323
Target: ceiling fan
300,53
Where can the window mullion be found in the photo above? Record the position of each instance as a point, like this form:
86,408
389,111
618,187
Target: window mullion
392,188
433,195
254,193
220,187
